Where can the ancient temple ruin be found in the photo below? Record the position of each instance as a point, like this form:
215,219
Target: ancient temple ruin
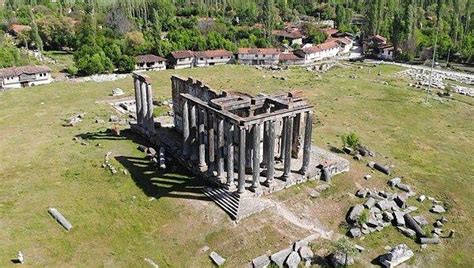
242,146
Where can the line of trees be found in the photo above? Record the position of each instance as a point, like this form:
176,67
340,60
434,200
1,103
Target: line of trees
107,34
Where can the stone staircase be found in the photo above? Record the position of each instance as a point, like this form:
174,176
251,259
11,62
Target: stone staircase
228,201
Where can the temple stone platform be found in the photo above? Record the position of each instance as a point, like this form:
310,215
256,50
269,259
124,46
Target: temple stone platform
242,147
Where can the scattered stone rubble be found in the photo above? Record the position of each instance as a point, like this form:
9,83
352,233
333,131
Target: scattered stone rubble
100,78
382,209
422,78
291,257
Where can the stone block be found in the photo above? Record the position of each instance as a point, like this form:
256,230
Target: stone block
261,262
306,253
396,256
217,259
293,260
399,219
279,257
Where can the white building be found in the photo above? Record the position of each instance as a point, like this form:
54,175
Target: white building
181,59
25,76
212,57
150,62
345,44
258,56
319,52
386,52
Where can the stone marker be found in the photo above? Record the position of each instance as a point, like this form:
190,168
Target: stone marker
117,92
421,220
422,198
151,262
369,203
293,260
60,218
427,240
355,232
404,187
394,182
261,262
280,257
406,231
306,253
217,259
355,213
437,209
399,219
368,177
396,256
361,193
383,169
20,257
438,224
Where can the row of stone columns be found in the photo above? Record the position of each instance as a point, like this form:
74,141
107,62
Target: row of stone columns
144,104
221,150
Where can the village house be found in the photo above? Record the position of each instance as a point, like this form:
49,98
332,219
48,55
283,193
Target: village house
181,59
25,76
292,34
212,57
319,52
290,59
150,62
345,44
386,52
258,56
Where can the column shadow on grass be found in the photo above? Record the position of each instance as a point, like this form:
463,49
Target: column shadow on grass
162,183
174,182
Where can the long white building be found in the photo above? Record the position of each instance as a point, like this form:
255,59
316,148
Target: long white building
25,76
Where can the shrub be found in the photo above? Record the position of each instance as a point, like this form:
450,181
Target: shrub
72,70
350,140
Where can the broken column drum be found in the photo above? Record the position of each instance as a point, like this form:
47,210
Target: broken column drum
224,133
144,104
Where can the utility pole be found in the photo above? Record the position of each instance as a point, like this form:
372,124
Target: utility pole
432,64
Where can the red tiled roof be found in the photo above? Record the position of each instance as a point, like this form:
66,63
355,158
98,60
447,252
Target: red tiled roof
289,57
380,38
148,58
293,33
344,40
182,54
384,46
321,47
213,53
30,69
259,51
329,31
18,28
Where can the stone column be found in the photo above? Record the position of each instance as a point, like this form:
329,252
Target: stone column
248,152
296,142
270,154
202,141
283,139
287,152
186,141
138,102
143,95
307,142
211,141
256,157
242,140
266,126
220,147
230,155
193,131
151,120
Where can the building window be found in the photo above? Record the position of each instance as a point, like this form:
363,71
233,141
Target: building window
201,58
222,57
212,58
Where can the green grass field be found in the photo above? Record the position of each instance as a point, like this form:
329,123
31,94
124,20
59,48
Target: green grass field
116,223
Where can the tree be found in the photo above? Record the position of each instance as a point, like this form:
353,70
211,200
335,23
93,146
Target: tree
268,16
126,64
35,37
